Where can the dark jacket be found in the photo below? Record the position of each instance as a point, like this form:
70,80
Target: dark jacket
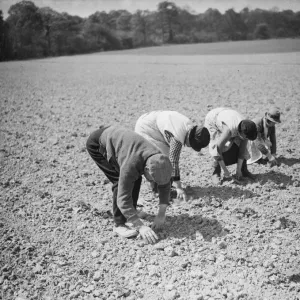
261,137
128,152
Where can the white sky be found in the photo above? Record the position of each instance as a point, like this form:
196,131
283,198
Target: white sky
84,8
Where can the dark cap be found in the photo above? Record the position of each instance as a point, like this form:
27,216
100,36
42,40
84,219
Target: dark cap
160,168
199,138
249,129
273,115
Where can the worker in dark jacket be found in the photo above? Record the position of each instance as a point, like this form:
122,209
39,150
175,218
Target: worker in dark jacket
266,137
124,156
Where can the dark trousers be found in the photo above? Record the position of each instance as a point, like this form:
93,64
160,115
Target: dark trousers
230,157
112,173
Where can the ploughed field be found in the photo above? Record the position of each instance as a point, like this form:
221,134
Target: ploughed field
227,242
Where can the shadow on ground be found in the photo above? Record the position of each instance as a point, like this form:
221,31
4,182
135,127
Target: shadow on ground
288,161
193,227
220,193
184,226
276,177
281,161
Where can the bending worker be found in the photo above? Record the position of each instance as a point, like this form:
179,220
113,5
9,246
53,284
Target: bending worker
169,131
229,132
266,137
124,156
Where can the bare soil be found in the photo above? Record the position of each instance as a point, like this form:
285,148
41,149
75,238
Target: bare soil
227,242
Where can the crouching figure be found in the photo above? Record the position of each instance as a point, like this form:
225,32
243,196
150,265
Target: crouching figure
170,131
229,133
265,144
124,156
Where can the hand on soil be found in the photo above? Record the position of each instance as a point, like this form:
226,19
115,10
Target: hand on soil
238,175
148,234
273,163
158,223
236,179
227,174
181,194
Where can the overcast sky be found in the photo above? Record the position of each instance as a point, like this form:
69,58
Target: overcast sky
85,8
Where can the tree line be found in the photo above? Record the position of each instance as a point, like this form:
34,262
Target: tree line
33,32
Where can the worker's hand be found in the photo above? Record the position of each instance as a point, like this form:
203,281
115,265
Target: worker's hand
238,175
268,144
181,194
148,234
227,174
273,162
158,222
230,178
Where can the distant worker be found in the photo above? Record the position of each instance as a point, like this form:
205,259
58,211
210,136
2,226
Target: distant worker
169,131
124,156
229,134
265,144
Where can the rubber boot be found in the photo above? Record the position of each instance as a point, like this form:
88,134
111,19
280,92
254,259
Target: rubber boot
245,171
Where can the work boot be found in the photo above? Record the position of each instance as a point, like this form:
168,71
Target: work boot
245,171
216,177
